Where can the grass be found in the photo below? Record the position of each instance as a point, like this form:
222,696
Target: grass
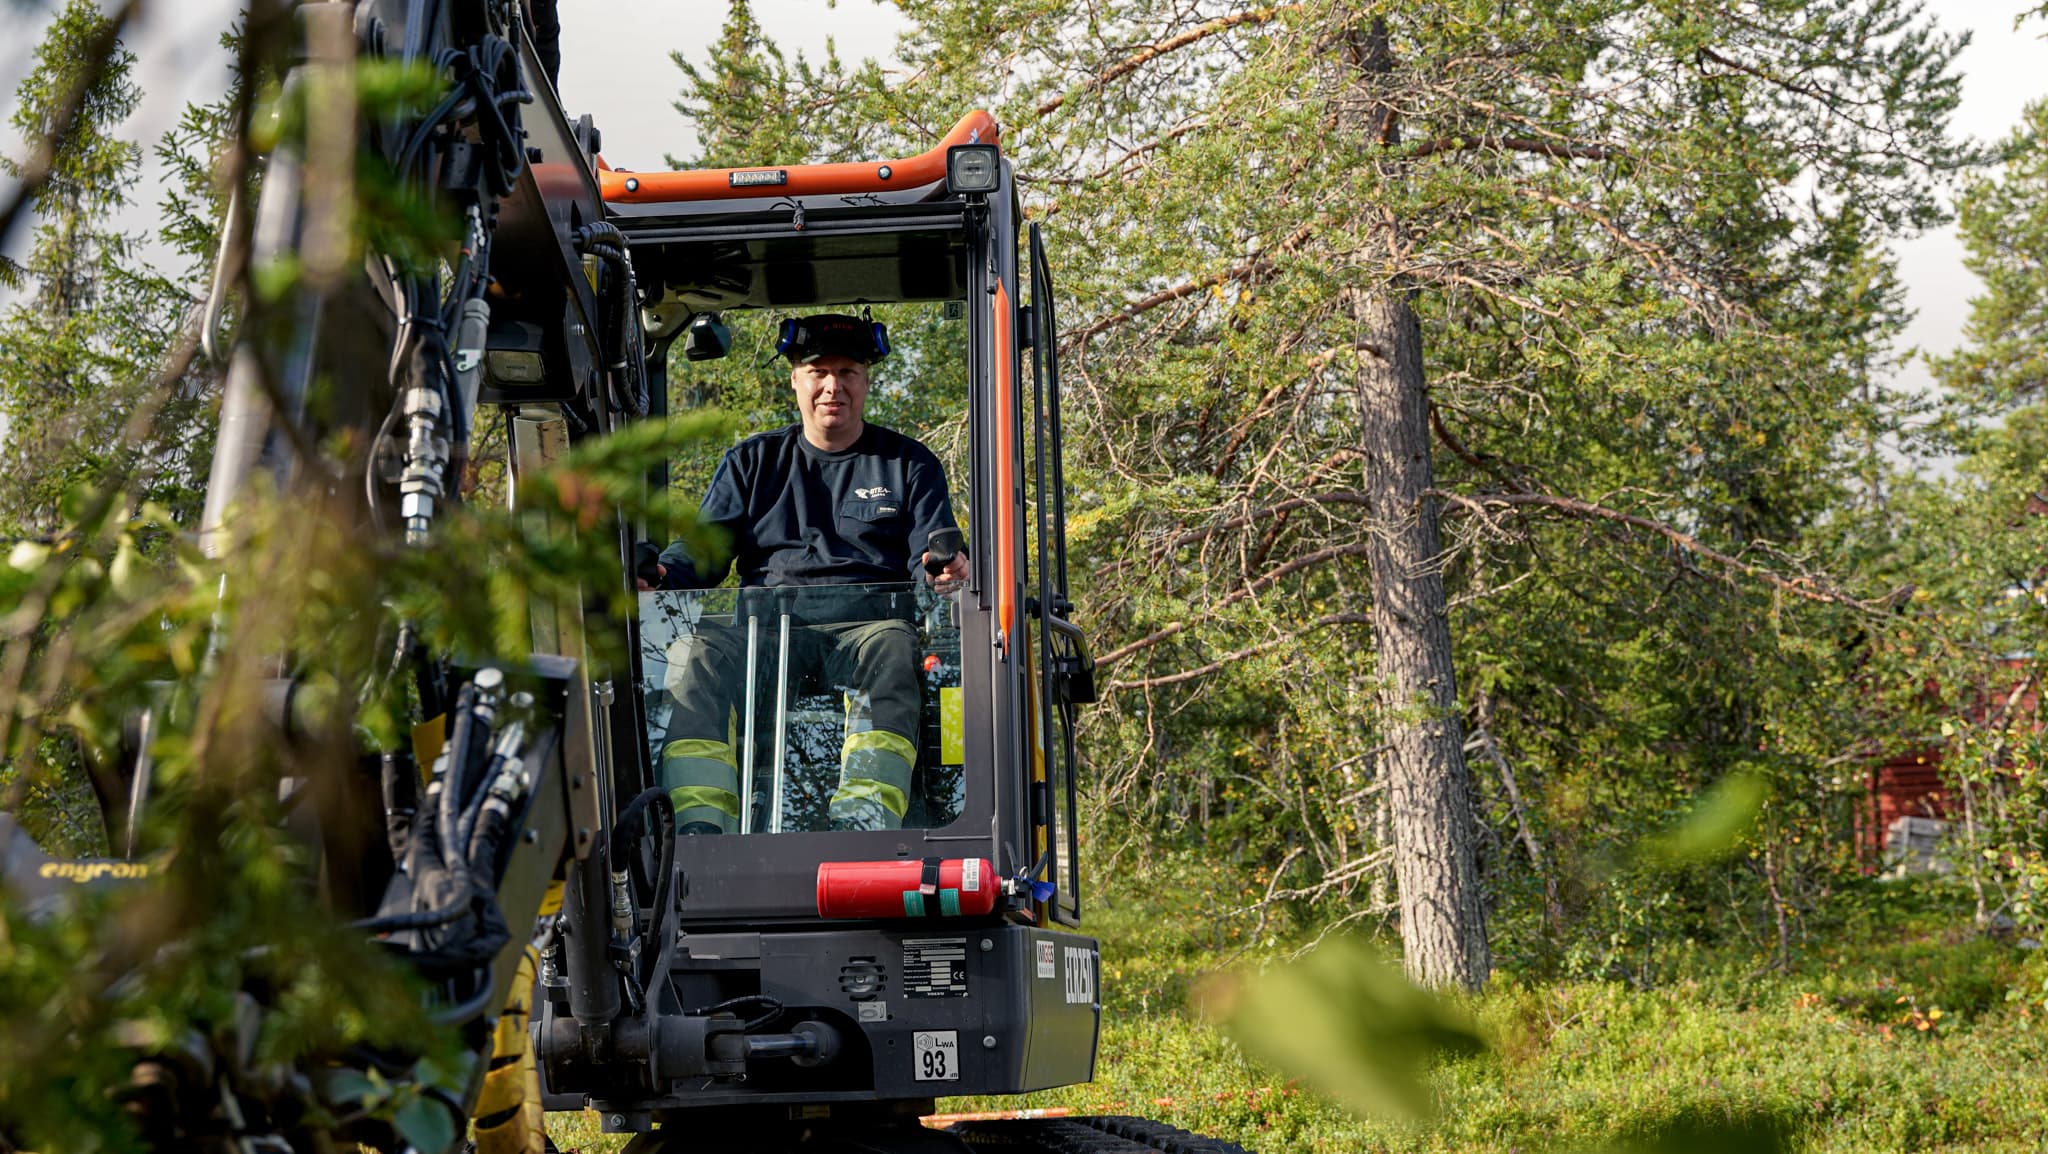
1901,1033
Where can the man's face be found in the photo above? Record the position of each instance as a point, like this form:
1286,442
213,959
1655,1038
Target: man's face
831,392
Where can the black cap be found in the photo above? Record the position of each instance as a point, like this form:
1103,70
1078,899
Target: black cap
805,339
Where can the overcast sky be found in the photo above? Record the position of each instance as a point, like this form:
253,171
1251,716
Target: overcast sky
616,67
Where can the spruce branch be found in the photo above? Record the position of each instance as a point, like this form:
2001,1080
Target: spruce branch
1804,587
34,173
1153,52
1232,658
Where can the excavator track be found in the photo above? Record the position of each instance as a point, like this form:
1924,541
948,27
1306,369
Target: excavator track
1107,1134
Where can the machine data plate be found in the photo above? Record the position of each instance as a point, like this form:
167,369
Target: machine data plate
935,967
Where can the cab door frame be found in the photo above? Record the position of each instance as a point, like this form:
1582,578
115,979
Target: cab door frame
1062,647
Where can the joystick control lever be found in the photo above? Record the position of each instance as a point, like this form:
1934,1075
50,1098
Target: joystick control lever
940,549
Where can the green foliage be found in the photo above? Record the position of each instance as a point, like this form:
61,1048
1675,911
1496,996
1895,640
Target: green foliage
232,887
1828,1057
1716,826
1973,553
752,108
93,323
1349,1023
2003,219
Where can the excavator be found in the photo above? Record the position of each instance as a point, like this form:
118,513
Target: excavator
785,981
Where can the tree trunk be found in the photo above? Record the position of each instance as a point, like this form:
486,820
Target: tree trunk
1429,793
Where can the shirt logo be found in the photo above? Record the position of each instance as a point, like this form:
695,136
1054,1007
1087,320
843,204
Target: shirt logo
871,494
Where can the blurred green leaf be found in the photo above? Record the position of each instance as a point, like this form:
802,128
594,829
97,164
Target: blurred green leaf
351,1087
1717,824
1347,1022
425,1123
386,88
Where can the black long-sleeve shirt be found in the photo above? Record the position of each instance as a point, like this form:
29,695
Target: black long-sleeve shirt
798,515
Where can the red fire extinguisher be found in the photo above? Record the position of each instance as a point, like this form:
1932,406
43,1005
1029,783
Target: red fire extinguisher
907,888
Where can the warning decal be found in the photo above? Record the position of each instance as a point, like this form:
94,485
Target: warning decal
935,967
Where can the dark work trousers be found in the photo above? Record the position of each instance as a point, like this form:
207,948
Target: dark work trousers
873,663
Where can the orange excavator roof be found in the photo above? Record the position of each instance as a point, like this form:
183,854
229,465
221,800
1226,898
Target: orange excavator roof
927,167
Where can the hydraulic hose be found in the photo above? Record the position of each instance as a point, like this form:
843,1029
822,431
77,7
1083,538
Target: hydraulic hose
419,919
400,779
448,815
603,240
462,1012
484,819
632,819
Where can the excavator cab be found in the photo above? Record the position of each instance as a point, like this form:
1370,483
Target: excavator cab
862,940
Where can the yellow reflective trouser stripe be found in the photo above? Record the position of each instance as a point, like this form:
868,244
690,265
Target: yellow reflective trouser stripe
876,767
686,797
883,740
705,748
703,779
880,792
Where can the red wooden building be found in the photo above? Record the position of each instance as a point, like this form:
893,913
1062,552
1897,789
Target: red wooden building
1907,789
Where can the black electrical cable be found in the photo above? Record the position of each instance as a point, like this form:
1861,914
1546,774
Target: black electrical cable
467,832
630,822
476,78
483,828
458,290
575,420
775,1010
401,341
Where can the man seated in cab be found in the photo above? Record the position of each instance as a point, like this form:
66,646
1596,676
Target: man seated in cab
830,500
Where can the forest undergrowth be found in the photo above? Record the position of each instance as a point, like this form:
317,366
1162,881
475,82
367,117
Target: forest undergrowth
1897,1028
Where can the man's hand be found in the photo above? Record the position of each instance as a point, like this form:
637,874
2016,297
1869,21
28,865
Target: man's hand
647,560
952,577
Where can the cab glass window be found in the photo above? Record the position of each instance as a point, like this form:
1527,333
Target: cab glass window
785,703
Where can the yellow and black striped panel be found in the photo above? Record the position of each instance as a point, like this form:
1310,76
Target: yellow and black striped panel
508,1114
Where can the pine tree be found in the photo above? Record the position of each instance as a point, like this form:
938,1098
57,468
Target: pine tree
739,102
2003,364
93,321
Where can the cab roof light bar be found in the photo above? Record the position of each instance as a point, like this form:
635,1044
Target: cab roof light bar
931,166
